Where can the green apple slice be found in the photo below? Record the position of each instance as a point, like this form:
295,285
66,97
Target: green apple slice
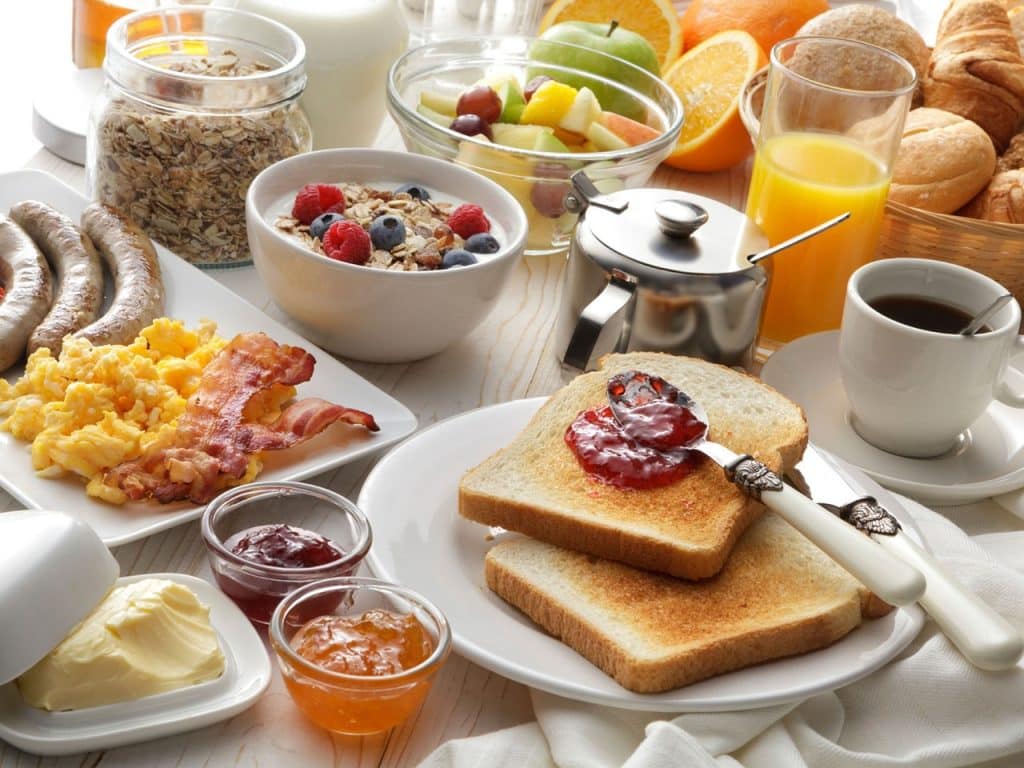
434,117
583,111
512,101
603,139
439,102
519,136
548,142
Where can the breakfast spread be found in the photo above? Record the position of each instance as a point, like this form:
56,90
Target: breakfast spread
34,315
620,539
401,230
137,420
146,637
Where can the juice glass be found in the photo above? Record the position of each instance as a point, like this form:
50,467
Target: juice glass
830,128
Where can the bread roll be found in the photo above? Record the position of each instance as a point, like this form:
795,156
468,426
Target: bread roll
1013,157
944,160
1002,200
870,24
1017,24
976,69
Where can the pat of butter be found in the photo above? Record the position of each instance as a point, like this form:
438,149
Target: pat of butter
146,637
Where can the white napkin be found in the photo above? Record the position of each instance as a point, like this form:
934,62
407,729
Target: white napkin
927,709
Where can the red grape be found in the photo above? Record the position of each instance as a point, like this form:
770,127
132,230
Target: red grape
471,125
548,197
480,100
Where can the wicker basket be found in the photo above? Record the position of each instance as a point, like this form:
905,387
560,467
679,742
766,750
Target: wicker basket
992,248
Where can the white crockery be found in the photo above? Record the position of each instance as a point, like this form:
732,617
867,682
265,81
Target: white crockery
912,392
372,314
412,497
987,459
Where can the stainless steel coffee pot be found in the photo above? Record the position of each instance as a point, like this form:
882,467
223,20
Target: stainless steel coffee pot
659,270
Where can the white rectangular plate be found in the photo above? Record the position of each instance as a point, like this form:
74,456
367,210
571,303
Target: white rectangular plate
246,676
192,295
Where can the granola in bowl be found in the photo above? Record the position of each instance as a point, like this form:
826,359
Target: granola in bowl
402,229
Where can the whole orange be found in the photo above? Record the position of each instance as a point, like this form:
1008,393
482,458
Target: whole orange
769,21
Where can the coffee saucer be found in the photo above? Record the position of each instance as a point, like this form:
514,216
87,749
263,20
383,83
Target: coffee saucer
987,460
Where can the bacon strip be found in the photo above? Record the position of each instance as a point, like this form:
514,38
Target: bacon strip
212,440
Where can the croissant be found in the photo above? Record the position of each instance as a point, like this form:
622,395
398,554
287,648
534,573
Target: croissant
976,69
1002,200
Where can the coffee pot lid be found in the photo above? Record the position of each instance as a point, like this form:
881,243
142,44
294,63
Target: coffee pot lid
675,231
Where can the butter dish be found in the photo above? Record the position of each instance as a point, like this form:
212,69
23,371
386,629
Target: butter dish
59,573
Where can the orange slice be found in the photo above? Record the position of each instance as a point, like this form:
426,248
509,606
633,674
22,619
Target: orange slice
708,80
656,20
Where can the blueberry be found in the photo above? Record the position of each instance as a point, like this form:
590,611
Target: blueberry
386,232
457,257
322,223
483,242
414,190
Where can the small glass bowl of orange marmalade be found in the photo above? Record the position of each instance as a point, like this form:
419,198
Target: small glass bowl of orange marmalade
365,664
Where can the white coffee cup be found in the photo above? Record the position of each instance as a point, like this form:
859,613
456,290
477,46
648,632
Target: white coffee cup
911,391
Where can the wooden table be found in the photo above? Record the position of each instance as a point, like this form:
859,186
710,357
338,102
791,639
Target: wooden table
510,356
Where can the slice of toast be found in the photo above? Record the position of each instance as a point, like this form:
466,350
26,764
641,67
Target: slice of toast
777,596
536,486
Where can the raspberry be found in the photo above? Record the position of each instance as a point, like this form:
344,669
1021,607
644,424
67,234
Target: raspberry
316,199
468,220
347,241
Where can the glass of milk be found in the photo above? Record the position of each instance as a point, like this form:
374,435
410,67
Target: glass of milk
350,45
436,19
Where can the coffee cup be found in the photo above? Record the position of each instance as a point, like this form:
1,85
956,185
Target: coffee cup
913,391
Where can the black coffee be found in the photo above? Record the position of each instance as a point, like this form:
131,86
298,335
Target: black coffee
926,314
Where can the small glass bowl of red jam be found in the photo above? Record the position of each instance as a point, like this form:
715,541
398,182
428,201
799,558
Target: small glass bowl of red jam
267,539
365,665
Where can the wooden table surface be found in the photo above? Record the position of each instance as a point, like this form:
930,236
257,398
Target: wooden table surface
510,356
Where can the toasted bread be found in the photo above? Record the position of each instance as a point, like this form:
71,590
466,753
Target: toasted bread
536,486
777,596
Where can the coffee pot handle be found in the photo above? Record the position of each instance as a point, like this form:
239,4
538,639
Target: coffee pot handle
595,317
1004,393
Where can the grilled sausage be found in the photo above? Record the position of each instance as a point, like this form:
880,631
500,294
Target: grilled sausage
132,260
79,290
27,291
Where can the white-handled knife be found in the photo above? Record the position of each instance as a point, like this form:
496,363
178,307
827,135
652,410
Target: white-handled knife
984,637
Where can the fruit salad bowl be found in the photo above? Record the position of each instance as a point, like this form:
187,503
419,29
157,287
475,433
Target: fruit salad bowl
588,110
365,312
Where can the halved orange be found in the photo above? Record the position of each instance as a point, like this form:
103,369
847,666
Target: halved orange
656,20
708,80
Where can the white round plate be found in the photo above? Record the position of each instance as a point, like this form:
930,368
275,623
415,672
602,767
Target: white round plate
411,498
989,459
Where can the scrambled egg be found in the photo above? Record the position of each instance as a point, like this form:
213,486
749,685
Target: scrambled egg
98,406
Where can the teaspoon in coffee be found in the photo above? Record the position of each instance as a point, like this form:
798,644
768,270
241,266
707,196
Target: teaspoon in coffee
893,580
982,317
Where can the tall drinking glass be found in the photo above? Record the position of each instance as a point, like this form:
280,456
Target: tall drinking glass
830,128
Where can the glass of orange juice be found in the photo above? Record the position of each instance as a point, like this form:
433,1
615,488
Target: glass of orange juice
830,128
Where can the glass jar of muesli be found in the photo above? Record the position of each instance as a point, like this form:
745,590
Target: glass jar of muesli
196,102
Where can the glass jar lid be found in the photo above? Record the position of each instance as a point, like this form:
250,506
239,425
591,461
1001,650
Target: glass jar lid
674,231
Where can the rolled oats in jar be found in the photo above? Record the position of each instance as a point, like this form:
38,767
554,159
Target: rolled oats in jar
196,102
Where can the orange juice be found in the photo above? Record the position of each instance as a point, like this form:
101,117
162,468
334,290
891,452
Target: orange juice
799,181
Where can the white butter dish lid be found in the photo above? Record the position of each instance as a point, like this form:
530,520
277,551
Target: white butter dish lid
55,572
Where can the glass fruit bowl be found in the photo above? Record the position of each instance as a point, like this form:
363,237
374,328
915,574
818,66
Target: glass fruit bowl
537,178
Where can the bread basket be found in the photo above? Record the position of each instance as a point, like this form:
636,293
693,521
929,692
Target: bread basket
992,248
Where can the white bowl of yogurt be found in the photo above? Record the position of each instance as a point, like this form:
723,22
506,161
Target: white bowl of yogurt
379,315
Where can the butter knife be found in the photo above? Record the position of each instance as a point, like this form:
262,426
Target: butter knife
985,638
